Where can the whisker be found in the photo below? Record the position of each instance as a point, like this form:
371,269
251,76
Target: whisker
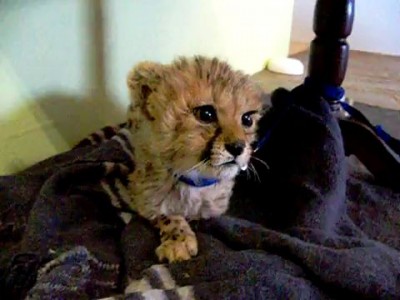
249,171
253,169
199,164
248,174
261,161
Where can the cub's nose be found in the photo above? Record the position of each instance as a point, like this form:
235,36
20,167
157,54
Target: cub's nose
235,148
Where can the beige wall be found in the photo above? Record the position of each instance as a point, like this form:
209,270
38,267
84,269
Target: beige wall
63,63
375,28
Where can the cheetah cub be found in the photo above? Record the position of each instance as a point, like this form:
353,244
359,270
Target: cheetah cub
193,123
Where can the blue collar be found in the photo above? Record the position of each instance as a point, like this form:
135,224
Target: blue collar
199,181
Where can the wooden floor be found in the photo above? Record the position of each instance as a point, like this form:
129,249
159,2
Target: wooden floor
372,79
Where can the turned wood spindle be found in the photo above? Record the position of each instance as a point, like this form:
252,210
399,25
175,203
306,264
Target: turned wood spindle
329,51
329,54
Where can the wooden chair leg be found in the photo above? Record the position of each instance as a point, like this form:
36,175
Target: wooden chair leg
329,52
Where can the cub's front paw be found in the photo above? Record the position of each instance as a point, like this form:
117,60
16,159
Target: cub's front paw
177,248
178,241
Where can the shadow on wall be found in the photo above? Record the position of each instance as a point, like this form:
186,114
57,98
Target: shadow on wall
55,119
75,118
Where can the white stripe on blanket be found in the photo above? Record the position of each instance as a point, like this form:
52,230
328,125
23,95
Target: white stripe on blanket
123,192
186,292
136,286
110,193
124,146
165,276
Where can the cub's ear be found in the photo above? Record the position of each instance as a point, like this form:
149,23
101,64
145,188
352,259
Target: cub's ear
143,79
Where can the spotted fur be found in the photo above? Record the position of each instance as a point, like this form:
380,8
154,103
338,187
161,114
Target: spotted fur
170,140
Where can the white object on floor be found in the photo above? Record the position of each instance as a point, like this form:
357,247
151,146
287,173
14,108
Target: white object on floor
286,65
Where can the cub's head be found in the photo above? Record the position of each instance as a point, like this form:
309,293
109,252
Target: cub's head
195,116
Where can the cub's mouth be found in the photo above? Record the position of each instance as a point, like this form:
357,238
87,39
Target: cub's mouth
233,163
229,163
223,163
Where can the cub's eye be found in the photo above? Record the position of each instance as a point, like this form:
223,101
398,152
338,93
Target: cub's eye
205,113
247,119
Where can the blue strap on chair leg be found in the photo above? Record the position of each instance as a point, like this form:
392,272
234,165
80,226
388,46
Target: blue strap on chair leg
390,141
336,93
